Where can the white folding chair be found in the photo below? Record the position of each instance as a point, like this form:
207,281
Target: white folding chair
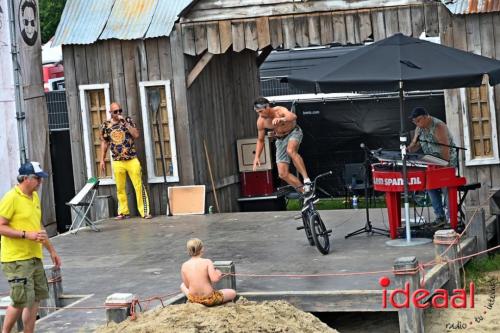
81,204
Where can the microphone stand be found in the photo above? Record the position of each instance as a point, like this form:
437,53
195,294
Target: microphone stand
368,225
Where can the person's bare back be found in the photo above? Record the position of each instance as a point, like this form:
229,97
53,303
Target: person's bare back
199,275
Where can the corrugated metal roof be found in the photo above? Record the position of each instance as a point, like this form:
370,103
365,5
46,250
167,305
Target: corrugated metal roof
85,21
129,19
165,16
82,21
472,6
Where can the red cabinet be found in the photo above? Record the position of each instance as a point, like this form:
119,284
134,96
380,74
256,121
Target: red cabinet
258,183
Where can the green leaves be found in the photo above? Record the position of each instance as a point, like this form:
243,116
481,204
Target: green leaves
50,14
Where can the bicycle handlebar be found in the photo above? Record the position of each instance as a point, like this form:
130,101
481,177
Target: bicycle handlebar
323,175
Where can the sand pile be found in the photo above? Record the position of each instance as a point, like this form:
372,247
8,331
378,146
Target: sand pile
240,317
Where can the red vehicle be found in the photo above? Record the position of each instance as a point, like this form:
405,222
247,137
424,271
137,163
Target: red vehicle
52,73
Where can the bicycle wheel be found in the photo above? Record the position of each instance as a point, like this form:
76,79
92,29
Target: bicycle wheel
307,229
319,233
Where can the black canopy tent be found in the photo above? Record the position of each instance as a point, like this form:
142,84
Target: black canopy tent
397,64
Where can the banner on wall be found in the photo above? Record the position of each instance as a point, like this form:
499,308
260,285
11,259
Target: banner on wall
9,145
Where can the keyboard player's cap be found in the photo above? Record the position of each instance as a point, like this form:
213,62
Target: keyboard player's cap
418,111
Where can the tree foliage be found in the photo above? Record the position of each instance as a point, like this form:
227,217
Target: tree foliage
50,14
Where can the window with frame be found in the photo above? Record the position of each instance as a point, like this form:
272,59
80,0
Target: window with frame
480,132
159,131
95,101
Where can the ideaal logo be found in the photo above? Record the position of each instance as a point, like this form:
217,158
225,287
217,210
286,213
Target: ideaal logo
440,297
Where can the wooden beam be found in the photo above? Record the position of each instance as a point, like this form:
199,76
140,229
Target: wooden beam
198,68
325,301
263,35
251,38
276,31
263,55
213,38
238,35
188,39
225,34
326,28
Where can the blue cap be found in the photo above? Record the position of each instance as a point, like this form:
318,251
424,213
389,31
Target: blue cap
32,168
418,111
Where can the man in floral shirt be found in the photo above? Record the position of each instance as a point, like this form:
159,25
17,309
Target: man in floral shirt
119,134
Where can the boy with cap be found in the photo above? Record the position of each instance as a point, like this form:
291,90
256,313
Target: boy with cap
22,238
434,137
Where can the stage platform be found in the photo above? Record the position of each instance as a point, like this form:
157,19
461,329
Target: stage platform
144,257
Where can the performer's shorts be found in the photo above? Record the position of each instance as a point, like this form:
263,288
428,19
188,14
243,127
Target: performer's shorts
215,298
27,280
282,144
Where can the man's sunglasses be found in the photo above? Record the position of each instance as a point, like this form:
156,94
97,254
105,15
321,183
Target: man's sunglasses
117,111
35,177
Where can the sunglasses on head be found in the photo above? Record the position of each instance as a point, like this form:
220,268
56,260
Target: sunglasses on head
117,111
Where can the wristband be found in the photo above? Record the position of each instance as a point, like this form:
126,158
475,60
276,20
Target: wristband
23,236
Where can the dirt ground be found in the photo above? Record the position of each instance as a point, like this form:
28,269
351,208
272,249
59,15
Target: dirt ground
240,317
279,316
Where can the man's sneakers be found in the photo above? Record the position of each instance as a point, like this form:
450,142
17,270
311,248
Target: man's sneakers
439,221
308,193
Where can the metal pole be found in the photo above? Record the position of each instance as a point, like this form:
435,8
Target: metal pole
20,115
402,140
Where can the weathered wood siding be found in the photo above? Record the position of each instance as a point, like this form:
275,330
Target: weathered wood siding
211,10
221,106
217,108
480,34
258,24
123,64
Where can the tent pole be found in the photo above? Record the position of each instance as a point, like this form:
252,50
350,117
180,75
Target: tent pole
402,140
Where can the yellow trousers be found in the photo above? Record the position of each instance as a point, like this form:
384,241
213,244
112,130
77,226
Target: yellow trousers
133,169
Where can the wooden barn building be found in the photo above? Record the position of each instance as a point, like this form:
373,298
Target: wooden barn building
204,56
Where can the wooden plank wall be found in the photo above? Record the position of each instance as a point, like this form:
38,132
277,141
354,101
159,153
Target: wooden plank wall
221,101
123,64
480,34
308,29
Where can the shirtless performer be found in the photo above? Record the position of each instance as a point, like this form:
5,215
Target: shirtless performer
288,138
198,277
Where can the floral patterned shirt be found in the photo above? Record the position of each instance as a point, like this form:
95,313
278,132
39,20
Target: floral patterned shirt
120,139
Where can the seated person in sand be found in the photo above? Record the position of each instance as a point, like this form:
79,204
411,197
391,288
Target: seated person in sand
198,277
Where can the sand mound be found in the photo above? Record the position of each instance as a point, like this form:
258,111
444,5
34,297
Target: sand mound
480,319
240,317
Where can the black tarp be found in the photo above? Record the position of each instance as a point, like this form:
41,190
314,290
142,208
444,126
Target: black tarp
334,129
381,66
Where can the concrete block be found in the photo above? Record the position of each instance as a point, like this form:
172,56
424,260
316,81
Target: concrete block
118,306
227,282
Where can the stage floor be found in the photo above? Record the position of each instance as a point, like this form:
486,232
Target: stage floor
143,257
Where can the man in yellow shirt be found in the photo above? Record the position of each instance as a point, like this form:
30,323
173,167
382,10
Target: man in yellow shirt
21,248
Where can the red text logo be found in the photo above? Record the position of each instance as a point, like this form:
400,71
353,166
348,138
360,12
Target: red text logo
423,298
